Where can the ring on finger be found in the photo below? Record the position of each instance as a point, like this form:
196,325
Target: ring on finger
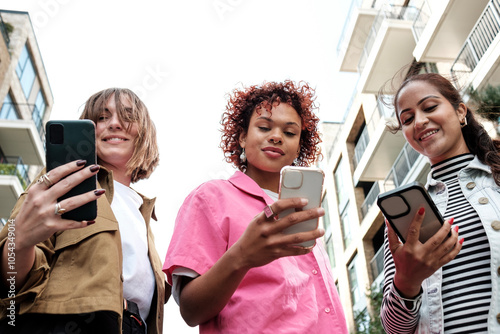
58,210
45,180
268,211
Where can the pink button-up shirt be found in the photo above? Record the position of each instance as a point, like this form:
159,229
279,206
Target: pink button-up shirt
293,294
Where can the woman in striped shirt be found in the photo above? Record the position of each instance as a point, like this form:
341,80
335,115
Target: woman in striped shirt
446,285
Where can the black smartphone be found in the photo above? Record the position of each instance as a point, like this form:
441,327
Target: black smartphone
400,205
67,141
306,182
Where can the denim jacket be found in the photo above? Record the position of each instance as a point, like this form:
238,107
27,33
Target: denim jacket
480,189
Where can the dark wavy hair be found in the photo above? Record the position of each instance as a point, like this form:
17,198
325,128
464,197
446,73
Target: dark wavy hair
477,139
242,103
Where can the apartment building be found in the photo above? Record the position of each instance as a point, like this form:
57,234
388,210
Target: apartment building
26,102
458,38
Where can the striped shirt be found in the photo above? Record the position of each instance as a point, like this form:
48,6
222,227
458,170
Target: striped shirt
466,285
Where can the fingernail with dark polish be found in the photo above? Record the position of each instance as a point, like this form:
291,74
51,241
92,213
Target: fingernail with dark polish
99,192
94,168
90,222
80,163
421,211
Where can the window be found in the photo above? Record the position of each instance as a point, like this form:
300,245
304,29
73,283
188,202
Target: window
357,294
330,251
346,227
8,110
25,71
39,110
328,232
339,184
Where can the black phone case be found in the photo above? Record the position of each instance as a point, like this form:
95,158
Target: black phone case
76,143
400,205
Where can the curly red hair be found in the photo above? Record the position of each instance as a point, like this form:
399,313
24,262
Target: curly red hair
242,103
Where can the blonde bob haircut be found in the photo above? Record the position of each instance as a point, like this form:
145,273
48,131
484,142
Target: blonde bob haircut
146,155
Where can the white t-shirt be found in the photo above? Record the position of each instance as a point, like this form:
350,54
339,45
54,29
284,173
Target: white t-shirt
138,277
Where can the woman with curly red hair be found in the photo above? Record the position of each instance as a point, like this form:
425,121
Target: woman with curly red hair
231,267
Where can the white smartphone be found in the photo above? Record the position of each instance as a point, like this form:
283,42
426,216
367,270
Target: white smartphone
400,205
305,182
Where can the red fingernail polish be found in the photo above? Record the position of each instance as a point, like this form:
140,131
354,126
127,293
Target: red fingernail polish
421,211
456,228
461,241
451,221
99,192
90,222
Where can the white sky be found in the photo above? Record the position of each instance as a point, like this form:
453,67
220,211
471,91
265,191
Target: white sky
182,58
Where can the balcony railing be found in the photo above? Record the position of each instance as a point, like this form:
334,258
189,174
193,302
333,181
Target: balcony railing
421,20
480,38
340,46
377,263
386,12
361,145
370,199
401,167
35,117
381,111
15,166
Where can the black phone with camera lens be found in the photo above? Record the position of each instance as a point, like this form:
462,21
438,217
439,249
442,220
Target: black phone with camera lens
400,205
70,140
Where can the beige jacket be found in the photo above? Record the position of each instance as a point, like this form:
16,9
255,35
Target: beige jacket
80,270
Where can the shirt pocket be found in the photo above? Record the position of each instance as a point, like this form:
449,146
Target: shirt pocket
73,237
105,222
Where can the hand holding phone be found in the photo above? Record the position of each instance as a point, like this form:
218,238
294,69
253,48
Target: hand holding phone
305,182
400,205
68,141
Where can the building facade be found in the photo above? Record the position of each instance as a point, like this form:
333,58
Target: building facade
26,102
382,42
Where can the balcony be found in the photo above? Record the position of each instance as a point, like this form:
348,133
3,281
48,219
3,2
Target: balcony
360,148
22,138
13,180
408,163
375,154
377,263
441,27
388,48
370,199
477,64
354,34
